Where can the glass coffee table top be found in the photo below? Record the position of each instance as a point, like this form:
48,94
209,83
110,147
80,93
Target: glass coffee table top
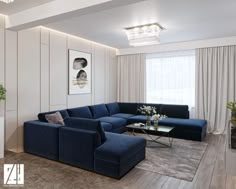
160,131
160,128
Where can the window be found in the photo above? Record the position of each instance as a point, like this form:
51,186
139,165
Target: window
170,78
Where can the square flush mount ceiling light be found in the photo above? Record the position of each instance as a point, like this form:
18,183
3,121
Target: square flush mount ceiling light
144,34
7,1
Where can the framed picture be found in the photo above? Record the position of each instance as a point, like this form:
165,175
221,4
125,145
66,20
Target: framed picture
80,79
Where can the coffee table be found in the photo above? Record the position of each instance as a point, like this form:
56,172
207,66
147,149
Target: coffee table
160,131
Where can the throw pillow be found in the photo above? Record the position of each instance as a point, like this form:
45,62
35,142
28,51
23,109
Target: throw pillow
55,118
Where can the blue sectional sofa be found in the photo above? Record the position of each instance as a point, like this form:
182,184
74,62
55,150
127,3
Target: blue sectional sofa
82,141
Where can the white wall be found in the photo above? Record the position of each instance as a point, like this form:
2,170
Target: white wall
37,77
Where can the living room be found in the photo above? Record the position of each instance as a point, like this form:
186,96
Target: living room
163,71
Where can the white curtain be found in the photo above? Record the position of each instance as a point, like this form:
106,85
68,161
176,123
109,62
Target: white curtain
215,85
171,78
131,78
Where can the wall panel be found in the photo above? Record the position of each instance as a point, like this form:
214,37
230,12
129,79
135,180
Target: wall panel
28,78
58,69
99,74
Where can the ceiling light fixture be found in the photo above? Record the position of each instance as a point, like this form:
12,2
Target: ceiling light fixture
144,34
7,1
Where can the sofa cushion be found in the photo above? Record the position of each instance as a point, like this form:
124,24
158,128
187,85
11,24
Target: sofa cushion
175,111
106,126
113,108
118,148
187,124
64,114
137,119
115,121
99,110
55,118
86,124
129,108
83,112
123,115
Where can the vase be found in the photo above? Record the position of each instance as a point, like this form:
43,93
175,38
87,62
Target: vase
148,121
155,124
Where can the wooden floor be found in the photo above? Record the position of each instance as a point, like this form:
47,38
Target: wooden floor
211,174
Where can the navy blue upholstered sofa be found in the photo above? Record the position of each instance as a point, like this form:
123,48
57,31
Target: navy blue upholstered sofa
82,141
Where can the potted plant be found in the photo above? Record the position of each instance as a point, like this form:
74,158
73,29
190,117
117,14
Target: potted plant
2,93
2,97
232,107
148,111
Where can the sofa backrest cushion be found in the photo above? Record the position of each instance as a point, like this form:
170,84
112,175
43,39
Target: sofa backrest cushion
99,110
175,111
113,108
86,124
83,112
128,108
41,116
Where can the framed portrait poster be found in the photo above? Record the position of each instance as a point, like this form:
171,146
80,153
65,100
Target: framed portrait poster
80,79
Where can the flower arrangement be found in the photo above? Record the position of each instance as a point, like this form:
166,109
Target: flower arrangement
158,117
147,110
2,93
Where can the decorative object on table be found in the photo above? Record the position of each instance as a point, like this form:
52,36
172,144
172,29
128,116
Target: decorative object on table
148,111
80,79
156,118
232,107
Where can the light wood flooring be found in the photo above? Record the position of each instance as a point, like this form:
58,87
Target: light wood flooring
211,174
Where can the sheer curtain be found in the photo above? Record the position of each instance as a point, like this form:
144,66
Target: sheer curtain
131,78
170,78
215,86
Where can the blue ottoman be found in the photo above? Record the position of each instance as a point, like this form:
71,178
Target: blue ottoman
119,154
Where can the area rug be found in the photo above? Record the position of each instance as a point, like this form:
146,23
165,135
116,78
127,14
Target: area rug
181,161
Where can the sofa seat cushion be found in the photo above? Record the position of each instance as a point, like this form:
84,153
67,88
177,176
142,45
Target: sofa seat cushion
99,110
113,108
41,116
83,112
119,147
196,125
137,119
123,115
115,121
106,126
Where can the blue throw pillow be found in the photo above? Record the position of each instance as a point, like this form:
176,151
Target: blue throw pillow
83,112
113,108
86,124
99,110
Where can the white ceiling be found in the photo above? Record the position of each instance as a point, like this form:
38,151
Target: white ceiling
20,5
184,20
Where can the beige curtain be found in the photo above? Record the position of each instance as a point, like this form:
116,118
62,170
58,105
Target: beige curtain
215,85
131,78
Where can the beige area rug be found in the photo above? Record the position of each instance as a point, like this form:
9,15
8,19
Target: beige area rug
181,161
